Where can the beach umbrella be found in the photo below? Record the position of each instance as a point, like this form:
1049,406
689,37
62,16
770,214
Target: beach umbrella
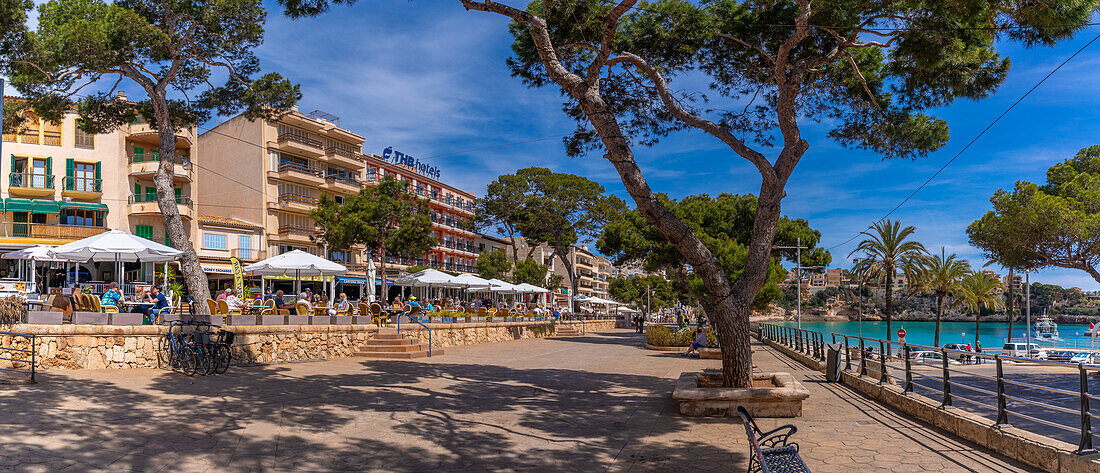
524,288
298,263
372,273
472,283
117,246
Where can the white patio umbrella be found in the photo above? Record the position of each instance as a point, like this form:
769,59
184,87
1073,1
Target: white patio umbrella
372,272
472,283
117,246
428,278
34,254
498,286
298,263
524,288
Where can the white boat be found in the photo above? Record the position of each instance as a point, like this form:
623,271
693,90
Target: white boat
1046,329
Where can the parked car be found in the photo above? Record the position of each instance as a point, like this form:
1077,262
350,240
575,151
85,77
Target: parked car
1088,358
1021,350
955,346
929,357
1061,355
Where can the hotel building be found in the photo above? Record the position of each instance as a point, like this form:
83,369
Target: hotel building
63,185
261,179
592,270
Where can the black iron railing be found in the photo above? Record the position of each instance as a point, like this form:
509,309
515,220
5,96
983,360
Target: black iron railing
26,358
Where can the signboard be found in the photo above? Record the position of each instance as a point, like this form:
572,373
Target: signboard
238,275
410,163
901,333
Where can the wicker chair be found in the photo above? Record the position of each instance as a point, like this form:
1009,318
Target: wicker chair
378,316
269,307
223,309
213,306
301,308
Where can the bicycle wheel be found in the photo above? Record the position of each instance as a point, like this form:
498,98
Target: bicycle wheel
162,353
210,362
188,360
225,357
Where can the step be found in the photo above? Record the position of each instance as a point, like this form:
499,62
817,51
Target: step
393,341
394,348
400,355
388,336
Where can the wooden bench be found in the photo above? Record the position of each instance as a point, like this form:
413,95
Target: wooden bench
772,451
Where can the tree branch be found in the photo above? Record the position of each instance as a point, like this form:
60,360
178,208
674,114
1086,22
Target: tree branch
610,24
746,44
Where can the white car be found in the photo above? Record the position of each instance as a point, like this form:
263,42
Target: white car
1088,358
1021,350
929,358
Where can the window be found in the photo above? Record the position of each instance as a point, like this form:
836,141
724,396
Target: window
341,256
83,140
292,131
244,247
84,177
85,218
51,133
215,241
144,231
339,199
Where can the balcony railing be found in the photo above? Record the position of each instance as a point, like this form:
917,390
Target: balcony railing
154,156
343,153
351,181
30,180
296,230
82,184
297,199
248,254
301,140
54,231
142,198
294,166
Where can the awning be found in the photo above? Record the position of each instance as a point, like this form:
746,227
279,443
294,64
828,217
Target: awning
344,280
17,205
84,206
45,207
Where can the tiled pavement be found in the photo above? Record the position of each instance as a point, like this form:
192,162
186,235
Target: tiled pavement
591,403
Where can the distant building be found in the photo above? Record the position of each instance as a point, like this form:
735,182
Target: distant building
591,270
1017,282
995,275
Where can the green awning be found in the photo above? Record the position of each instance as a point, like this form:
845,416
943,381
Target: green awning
45,207
84,206
18,205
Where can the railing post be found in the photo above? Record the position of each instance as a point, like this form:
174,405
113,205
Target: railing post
1085,446
798,340
862,359
820,346
946,381
908,370
34,351
882,347
1002,403
847,355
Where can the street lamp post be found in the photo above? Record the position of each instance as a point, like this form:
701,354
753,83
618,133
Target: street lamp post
798,273
1027,290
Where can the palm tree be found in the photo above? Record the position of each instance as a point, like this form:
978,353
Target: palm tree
980,290
888,250
942,276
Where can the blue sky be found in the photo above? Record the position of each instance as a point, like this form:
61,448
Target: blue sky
429,78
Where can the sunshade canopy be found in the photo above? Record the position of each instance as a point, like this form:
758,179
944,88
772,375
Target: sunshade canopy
428,278
471,282
295,263
524,288
116,245
35,253
497,285
83,206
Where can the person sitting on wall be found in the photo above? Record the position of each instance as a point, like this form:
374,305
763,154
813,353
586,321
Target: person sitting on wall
113,296
700,342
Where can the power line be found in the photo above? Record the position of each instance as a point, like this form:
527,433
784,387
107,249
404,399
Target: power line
976,137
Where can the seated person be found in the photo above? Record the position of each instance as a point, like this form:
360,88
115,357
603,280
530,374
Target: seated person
413,304
279,302
700,342
342,303
233,301
225,294
397,304
113,296
159,302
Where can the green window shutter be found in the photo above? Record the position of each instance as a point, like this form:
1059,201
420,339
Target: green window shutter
98,184
49,166
139,154
70,171
144,231
137,191
179,194
155,155
167,241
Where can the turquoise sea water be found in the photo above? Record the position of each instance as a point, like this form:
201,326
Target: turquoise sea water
992,334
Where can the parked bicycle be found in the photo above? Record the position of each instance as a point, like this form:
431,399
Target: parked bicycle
195,347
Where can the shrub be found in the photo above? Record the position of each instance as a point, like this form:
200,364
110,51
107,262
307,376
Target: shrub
658,335
12,310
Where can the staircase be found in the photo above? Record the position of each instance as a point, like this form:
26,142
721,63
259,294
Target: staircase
390,345
566,331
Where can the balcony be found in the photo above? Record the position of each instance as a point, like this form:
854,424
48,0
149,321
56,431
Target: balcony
32,185
81,187
248,254
297,234
345,158
301,145
146,164
294,202
143,133
146,204
51,231
302,173
343,183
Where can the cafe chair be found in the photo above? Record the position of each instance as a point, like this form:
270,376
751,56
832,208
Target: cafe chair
213,306
223,309
269,307
378,316
364,310
301,308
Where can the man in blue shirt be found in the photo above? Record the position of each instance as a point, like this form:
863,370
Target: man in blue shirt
159,302
112,297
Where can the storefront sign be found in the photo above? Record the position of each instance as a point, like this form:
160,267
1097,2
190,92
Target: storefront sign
410,163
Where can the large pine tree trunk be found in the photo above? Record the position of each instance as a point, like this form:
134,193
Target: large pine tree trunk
193,275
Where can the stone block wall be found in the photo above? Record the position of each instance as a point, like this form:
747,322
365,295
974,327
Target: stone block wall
106,346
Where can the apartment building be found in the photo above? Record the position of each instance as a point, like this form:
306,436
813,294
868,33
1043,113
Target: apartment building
1017,282
63,185
272,173
593,271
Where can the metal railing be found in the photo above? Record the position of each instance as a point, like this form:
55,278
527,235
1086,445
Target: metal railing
247,254
54,231
414,319
567,314
145,198
13,353
300,140
333,151
28,180
287,166
1029,392
82,184
298,199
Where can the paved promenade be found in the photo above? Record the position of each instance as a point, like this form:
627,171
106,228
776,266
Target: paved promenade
597,403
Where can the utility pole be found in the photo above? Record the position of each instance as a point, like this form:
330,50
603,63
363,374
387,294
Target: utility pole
798,272
648,309
1027,289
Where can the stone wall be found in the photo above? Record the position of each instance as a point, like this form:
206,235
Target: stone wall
107,346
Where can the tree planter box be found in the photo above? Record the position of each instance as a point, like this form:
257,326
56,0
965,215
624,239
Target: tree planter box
436,320
297,319
125,318
341,320
463,320
213,319
44,317
89,318
320,320
174,317
273,319
242,320
710,353
773,395
361,320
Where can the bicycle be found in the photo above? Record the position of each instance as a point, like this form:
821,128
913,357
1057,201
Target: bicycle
195,351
